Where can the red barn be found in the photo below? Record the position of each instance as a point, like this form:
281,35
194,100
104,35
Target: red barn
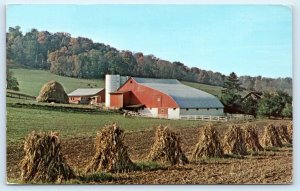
166,98
87,96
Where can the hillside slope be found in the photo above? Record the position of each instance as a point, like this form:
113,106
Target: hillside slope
31,82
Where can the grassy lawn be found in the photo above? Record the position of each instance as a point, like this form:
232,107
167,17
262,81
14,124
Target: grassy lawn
31,81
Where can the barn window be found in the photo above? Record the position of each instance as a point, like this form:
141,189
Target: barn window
217,109
197,109
207,109
158,99
131,81
162,111
187,109
174,108
150,108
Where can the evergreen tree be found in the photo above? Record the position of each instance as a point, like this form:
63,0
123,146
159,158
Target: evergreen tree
231,97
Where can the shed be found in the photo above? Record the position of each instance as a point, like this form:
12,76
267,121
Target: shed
87,96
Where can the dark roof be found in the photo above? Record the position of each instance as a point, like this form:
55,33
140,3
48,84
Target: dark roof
257,95
185,96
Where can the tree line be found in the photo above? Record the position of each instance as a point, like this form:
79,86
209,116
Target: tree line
80,57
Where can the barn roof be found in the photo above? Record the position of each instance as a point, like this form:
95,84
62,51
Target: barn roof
185,96
85,91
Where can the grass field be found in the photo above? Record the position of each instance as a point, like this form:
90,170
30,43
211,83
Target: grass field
214,90
21,121
31,82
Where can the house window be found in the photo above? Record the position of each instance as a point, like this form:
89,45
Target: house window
187,109
174,108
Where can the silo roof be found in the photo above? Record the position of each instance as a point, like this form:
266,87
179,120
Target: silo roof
185,96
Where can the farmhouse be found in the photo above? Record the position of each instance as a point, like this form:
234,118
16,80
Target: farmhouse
164,98
87,96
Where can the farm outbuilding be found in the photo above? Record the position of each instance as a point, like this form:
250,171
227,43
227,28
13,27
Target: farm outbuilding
87,96
164,98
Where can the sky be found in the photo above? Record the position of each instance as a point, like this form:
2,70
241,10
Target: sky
245,39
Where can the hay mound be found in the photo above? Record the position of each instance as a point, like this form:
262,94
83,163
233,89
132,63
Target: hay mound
290,131
208,145
234,142
251,139
111,153
166,147
283,133
43,161
53,92
271,137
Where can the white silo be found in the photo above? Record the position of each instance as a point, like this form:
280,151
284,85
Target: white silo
112,83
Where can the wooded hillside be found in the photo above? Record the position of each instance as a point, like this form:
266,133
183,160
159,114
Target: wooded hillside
80,57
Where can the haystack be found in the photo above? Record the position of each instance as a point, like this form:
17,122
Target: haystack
209,144
166,147
43,160
283,133
53,92
271,137
251,139
234,141
111,153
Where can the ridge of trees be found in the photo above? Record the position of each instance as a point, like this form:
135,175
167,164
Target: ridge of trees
82,58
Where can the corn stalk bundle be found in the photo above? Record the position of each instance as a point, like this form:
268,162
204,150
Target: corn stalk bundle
43,160
166,147
234,141
290,131
271,137
251,139
209,144
111,153
283,133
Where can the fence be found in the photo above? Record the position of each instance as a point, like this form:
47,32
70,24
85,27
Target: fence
14,94
229,117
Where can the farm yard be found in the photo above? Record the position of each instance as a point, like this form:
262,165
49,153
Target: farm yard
78,131
78,125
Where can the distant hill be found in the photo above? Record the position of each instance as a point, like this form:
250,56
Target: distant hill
80,57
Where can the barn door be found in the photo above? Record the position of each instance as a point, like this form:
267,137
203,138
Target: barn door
163,112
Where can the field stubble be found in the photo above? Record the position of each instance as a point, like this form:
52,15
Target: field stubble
266,167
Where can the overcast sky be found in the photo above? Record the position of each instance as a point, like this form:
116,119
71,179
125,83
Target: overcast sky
247,39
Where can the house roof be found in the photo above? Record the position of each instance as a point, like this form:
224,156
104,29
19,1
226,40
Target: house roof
85,92
185,96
